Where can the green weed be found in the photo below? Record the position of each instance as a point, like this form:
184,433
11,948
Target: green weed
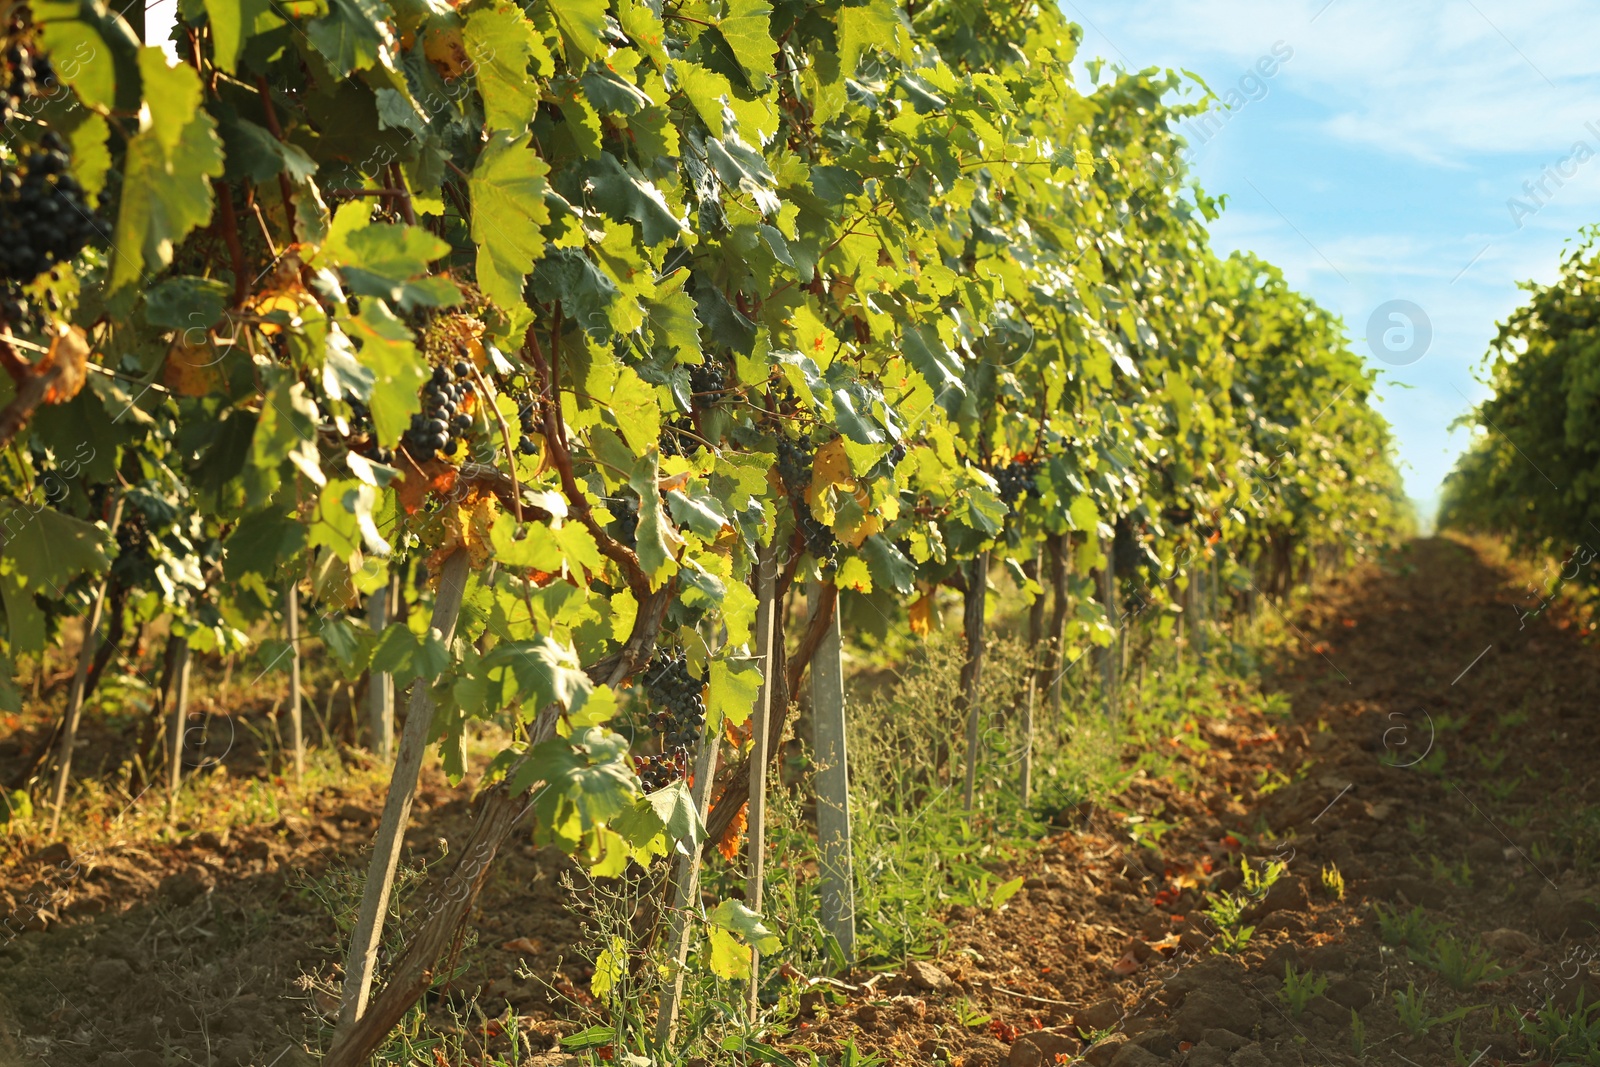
1461,965
1333,881
1358,1034
1565,1037
1299,989
1412,928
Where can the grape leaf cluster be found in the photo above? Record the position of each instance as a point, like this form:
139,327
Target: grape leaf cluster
679,699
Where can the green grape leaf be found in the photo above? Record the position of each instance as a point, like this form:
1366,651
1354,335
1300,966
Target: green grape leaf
165,191
502,45
232,22
78,55
730,957
286,429
255,154
42,550
732,694
624,194
736,917
674,806
939,367
507,188
544,671
352,36
581,22
747,27
186,303
608,91
398,369
408,656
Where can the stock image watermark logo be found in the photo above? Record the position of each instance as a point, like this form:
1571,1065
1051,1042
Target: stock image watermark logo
1408,739
1399,333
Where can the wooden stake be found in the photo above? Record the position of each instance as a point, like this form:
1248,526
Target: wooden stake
69,732
833,786
686,891
972,669
1112,652
380,686
291,612
180,715
390,838
756,823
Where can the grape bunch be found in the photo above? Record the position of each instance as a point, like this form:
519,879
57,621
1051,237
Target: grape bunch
625,522
661,770
440,423
794,468
710,377
679,699
529,423
31,75
1017,479
45,218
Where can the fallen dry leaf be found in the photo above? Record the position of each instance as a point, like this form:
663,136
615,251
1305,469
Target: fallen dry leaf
522,944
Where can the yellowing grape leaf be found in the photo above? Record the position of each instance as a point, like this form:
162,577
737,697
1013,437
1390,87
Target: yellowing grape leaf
922,615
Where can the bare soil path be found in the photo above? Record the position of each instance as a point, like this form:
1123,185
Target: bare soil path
1440,755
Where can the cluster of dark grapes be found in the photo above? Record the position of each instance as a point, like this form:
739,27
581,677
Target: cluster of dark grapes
625,522
710,377
24,315
672,444
794,468
660,770
440,422
30,74
678,697
528,423
44,217
1017,479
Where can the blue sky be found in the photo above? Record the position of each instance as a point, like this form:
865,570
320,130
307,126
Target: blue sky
1379,159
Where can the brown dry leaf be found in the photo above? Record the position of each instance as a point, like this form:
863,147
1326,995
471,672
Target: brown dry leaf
69,349
445,49
191,370
922,615
729,845
522,944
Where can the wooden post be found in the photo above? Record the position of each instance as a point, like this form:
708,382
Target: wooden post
390,837
833,786
180,715
686,890
69,731
756,824
380,686
1112,652
1058,546
972,669
1197,604
291,612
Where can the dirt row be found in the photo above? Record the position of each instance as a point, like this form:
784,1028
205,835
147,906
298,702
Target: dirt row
1437,756
1440,756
